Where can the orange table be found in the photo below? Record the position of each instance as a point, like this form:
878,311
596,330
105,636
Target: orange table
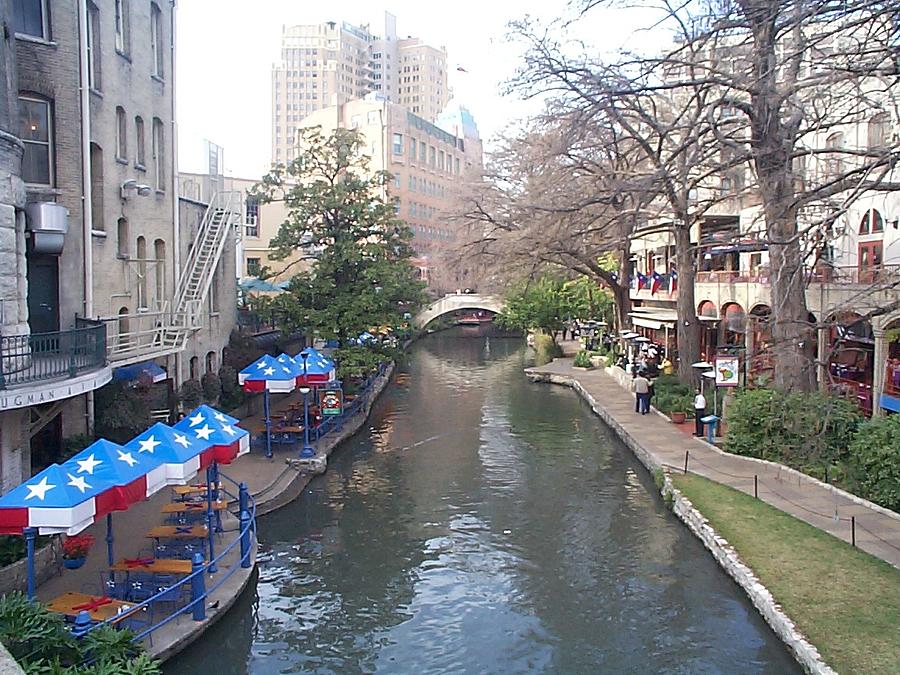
288,430
193,507
98,608
178,532
182,490
155,566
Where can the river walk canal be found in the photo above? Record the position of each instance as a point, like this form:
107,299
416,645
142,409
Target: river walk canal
478,524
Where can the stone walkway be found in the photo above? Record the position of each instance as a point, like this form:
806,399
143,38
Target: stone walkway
877,530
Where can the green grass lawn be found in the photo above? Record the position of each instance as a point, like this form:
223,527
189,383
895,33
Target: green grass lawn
845,601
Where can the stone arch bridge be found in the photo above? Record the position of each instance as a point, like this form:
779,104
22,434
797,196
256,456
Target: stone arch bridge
455,302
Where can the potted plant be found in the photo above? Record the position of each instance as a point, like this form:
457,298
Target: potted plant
583,360
75,550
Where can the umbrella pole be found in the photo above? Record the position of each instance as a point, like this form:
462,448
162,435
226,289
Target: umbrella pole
268,423
210,519
110,554
30,534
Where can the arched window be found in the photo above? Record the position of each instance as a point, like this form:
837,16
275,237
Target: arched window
159,155
872,222
97,187
834,163
121,135
159,252
193,366
142,272
707,309
123,329
210,362
122,237
879,127
139,156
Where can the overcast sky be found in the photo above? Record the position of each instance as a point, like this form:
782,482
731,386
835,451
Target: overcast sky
226,48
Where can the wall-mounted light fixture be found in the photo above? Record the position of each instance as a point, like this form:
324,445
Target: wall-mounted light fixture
131,184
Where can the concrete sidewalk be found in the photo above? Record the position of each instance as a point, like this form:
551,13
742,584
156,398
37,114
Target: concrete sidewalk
877,530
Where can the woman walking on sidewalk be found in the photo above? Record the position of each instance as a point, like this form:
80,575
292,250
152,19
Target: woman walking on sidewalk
699,411
641,387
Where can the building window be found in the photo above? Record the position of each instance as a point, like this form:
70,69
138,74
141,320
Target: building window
251,218
457,166
122,26
121,134
253,267
872,222
97,188
36,132
156,40
432,156
210,362
93,47
422,149
398,144
834,160
192,367
122,238
159,159
30,18
412,149
879,127
139,158
142,273
159,252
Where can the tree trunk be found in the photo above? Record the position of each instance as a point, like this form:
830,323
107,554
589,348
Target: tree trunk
622,298
688,328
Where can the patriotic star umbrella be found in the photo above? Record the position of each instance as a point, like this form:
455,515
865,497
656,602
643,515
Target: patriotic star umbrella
267,374
131,474
218,434
318,369
53,501
179,454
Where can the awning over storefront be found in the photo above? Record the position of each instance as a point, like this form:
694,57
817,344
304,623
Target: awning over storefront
147,370
656,318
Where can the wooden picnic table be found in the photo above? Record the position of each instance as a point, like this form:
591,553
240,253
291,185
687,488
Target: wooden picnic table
98,608
193,507
178,532
294,429
183,490
154,566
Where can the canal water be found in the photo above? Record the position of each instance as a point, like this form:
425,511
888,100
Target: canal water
483,524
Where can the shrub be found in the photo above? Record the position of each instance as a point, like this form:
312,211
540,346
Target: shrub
232,394
803,430
545,349
583,360
873,464
191,394
121,412
212,387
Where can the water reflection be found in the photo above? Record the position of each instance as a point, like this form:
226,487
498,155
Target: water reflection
484,524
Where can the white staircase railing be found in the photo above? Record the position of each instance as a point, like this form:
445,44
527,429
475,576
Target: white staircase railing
151,334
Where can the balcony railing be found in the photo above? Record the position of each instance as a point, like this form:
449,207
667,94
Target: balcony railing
25,359
819,275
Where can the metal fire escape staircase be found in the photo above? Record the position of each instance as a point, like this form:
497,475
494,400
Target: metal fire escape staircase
155,334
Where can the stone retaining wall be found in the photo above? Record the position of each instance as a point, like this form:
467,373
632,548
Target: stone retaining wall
47,563
803,651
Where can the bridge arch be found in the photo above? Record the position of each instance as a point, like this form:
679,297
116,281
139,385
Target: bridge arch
455,302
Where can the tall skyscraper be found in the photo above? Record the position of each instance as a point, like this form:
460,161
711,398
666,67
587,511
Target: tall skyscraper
330,63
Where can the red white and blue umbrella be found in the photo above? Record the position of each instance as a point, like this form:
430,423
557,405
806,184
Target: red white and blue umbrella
132,473
218,434
53,501
318,368
267,374
179,454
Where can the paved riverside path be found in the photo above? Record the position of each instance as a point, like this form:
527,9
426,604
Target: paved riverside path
877,529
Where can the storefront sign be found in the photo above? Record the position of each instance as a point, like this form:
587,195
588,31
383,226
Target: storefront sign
728,371
331,402
38,393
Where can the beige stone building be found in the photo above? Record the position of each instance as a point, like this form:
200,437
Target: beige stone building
328,64
430,166
111,269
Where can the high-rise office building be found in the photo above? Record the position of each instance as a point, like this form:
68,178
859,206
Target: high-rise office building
330,63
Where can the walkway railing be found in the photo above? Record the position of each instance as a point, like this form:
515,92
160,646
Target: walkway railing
337,422
25,359
192,590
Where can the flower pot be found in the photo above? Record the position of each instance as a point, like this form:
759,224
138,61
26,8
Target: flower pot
678,417
73,563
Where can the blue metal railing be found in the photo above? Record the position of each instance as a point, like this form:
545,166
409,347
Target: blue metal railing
195,581
336,423
47,356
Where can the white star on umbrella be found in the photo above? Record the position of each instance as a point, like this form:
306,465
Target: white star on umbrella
182,440
229,430
261,365
127,458
88,465
79,482
39,490
220,417
196,419
149,444
269,371
204,432
287,370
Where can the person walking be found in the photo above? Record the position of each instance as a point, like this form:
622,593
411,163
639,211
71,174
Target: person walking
699,411
641,387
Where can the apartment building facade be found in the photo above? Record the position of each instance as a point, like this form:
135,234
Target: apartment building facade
431,167
328,64
110,277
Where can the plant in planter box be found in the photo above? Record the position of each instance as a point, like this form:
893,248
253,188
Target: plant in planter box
75,549
583,360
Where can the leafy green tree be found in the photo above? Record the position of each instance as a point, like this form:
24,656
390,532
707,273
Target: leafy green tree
547,303
340,222
874,461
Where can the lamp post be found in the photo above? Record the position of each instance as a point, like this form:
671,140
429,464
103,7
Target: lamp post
307,450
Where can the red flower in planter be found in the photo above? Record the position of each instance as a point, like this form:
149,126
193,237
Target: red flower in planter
77,546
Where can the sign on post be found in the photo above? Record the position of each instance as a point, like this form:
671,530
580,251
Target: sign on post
331,402
728,371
